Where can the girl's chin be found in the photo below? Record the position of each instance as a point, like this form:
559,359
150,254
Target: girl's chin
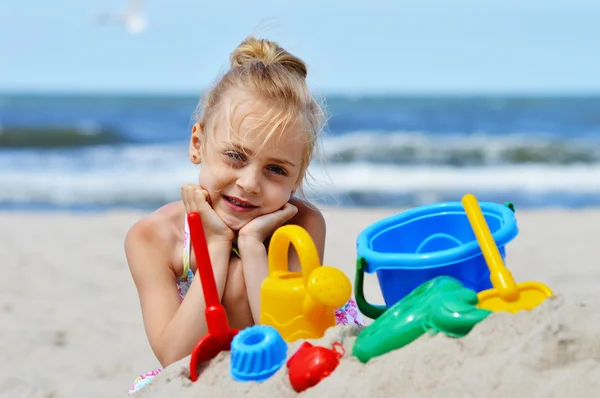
233,223
236,226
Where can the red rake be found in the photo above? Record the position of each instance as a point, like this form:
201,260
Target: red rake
219,334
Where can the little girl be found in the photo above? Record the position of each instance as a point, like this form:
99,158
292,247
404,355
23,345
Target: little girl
254,139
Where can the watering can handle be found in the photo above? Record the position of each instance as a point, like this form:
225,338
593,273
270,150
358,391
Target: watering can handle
370,310
302,242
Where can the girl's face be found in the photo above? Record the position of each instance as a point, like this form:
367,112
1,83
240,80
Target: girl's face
245,175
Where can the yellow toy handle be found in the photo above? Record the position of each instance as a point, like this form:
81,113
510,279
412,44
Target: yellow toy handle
327,287
302,242
500,276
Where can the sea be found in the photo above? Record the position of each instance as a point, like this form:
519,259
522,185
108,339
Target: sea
95,152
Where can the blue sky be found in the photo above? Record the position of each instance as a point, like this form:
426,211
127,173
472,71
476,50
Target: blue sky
421,46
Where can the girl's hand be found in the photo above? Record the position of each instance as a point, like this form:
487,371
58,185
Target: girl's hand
262,227
196,199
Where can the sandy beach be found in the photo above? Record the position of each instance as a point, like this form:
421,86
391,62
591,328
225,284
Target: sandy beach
70,323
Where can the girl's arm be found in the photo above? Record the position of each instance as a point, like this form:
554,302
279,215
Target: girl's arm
173,328
254,267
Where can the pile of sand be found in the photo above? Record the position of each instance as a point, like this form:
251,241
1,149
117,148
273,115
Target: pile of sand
70,321
553,350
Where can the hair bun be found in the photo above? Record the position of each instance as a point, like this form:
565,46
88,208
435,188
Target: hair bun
252,51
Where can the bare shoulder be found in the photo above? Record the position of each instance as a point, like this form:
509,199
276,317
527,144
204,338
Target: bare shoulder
308,215
154,235
156,227
311,219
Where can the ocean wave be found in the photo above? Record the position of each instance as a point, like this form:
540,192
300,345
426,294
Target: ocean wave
400,148
153,175
50,137
420,148
527,178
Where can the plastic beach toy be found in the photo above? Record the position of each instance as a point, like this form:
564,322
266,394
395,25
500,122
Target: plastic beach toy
219,334
442,304
310,364
417,245
300,305
257,352
506,295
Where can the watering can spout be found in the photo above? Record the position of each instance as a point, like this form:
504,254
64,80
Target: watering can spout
328,289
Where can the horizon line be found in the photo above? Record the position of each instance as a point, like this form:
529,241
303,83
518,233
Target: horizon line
327,93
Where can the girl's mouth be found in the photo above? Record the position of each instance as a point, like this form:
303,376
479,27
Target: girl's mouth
239,204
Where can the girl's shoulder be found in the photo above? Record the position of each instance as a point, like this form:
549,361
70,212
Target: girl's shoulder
306,210
309,216
161,229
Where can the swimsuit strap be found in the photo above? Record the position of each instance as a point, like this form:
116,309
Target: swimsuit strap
187,244
186,248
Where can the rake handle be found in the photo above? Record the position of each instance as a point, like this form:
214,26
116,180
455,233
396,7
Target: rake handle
500,276
207,277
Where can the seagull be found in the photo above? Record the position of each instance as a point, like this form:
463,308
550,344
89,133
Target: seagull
131,18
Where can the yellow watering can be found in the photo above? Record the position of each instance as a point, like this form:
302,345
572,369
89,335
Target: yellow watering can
300,305
506,294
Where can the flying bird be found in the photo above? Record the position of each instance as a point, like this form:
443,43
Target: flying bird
131,18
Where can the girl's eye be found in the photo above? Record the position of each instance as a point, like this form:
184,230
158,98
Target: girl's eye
278,170
236,156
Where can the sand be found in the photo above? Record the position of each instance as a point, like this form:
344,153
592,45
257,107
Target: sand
70,324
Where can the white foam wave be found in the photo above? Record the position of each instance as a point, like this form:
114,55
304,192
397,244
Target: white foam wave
532,178
482,148
155,174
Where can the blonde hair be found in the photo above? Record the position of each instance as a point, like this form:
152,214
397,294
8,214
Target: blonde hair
267,71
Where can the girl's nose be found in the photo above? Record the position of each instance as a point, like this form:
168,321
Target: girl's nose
249,180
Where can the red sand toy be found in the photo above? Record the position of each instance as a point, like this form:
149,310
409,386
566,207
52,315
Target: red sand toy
219,334
310,364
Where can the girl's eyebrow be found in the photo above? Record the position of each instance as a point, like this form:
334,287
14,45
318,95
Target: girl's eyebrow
282,161
240,148
250,153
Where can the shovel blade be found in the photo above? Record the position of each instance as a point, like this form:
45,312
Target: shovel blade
531,294
207,348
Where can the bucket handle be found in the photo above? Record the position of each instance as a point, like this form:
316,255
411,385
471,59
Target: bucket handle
510,205
367,309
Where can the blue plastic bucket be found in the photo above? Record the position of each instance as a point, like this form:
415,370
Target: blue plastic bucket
414,246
